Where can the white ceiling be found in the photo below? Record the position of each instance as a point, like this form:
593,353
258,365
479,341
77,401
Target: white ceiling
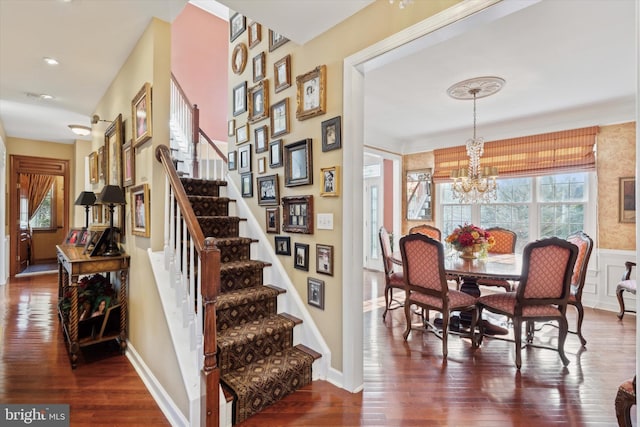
567,64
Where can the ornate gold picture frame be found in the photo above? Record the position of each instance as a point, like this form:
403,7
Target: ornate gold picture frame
311,94
141,115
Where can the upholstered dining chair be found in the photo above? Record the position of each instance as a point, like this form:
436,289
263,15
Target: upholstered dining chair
585,246
427,230
542,294
626,284
426,284
505,243
393,279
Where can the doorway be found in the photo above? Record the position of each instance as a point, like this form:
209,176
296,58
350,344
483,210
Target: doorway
23,240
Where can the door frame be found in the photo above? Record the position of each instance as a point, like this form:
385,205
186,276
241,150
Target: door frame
38,166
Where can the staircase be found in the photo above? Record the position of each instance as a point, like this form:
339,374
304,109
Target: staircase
258,362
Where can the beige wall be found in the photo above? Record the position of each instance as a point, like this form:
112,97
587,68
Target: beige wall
616,158
330,49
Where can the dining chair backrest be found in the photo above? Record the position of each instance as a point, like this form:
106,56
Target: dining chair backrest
547,267
505,240
385,245
423,263
585,246
427,230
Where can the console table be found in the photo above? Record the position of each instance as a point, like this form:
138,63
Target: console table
72,263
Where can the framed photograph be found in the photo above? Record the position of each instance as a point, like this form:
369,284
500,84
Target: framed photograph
141,114
324,259
259,101
258,67
628,199
237,25
113,140
261,135
275,153
282,73
231,127
301,256
239,58
272,219
129,160
280,118
276,40
311,93
297,214
246,184
102,242
85,235
232,162
268,191
242,133
255,34
102,167
140,210
244,163
93,168
262,165
94,237
74,236
315,292
97,214
331,134
283,245
298,168
240,99
330,185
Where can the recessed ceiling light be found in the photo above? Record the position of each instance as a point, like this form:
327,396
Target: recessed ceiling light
45,96
50,61
80,130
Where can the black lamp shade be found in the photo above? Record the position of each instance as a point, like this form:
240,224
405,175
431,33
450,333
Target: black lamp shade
86,198
111,194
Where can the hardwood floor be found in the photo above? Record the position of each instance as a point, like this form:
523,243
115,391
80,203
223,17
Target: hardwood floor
405,383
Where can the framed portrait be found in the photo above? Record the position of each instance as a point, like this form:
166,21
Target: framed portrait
129,161
85,235
244,161
311,93
324,259
94,237
113,140
262,165
331,134
275,153
259,101
298,168
283,245
141,114
93,168
297,214
102,167
261,135
268,191
239,58
280,118
232,161
330,181
272,219
301,256
242,133
102,241
140,210
282,73
255,34
276,40
74,236
237,25
240,99
246,184
315,292
231,127
628,199
258,67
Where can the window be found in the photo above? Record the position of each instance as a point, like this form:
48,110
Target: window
44,215
551,205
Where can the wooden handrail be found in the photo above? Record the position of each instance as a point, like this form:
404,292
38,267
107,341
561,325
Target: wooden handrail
182,94
213,145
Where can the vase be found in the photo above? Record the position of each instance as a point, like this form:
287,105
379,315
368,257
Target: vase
468,252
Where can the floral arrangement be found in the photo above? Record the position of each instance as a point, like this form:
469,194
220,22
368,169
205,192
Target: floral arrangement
470,235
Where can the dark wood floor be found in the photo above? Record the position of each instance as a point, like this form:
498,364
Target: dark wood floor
406,383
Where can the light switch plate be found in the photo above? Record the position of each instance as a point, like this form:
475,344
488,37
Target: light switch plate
325,221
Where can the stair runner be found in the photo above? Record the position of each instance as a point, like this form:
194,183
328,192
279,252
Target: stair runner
258,363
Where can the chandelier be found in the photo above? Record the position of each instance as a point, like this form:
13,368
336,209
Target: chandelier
475,184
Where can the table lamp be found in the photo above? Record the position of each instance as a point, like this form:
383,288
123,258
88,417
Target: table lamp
86,199
111,195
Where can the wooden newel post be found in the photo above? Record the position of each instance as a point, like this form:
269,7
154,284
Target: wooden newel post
195,140
210,258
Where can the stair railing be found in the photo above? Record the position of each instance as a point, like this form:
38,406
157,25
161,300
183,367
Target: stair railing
213,162
195,266
187,118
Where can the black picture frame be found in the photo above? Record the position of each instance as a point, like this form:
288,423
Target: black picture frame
244,158
301,256
103,242
332,134
298,165
324,259
246,184
275,154
315,292
268,190
237,26
232,160
261,138
239,97
282,245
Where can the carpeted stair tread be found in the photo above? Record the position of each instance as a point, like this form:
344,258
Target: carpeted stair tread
232,241
242,265
251,331
209,205
244,296
202,187
265,381
220,226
